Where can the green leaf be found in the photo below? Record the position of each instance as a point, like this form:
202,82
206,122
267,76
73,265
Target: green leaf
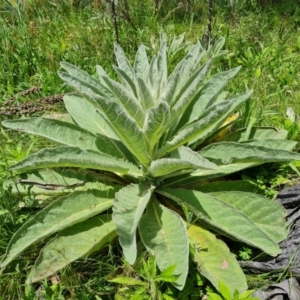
145,94
61,132
73,243
188,92
88,117
141,63
231,152
156,123
75,157
164,235
201,174
58,182
270,217
128,101
206,125
274,144
123,62
126,128
181,159
222,217
224,290
210,92
127,281
129,205
256,133
214,260
61,214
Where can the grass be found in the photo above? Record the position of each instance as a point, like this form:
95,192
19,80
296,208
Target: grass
35,38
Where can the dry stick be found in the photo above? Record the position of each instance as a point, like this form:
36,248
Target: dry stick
114,17
208,35
126,14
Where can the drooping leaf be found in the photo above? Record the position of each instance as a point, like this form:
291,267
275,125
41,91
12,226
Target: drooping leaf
256,133
187,154
214,260
129,205
181,159
231,152
61,214
62,132
75,157
86,116
222,217
208,123
164,235
58,181
268,215
73,243
274,144
201,174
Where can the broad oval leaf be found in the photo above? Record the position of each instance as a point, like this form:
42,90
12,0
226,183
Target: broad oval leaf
165,236
215,261
62,213
73,243
268,215
75,157
129,205
223,218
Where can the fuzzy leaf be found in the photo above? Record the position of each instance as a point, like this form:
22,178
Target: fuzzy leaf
123,62
214,260
210,92
156,123
61,214
75,157
86,115
270,217
129,205
230,152
256,133
73,243
58,182
141,63
222,217
126,128
164,235
62,132
206,125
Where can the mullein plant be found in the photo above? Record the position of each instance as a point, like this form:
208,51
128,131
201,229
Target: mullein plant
130,165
